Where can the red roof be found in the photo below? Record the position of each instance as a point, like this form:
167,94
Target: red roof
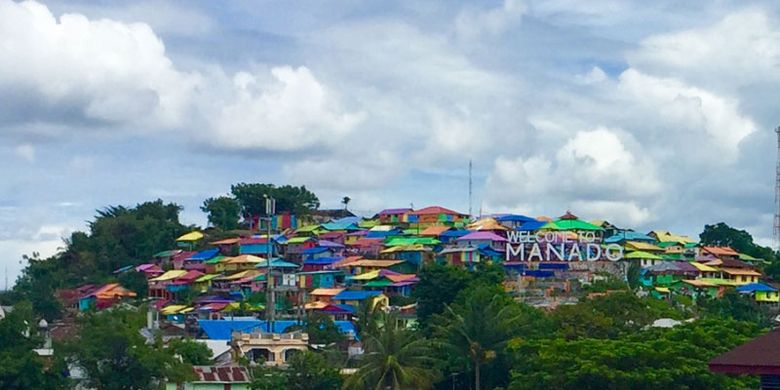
221,374
757,357
435,210
568,216
721,250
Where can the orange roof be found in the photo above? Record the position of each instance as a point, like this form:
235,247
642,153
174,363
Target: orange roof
400,277
227,241
434,231
741,272
346,260
721,250
435,210
112,290
328,292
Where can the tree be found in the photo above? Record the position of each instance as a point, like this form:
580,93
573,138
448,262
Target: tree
114,355
395,358
345,201
191,351
223,212
251,197
311,371
655,358
322,329
20,366
438,287
479,328
734,305
722,234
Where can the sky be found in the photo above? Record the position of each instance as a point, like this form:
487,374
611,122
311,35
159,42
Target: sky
652,115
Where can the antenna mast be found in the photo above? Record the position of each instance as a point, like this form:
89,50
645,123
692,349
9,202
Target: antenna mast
470,193
776,231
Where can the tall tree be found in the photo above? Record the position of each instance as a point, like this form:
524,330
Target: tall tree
114,355
479,328
438,287
345,201
395,358
292,199
223,212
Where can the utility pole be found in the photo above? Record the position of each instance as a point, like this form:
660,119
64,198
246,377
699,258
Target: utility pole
776,230
270,298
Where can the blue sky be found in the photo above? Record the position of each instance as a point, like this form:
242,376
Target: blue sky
648,114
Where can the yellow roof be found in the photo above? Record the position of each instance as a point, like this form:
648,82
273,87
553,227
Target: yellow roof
664,236
366,276
170,275
191,236
487,223
242,274
662,289
407,248
643,246
703,267
173,309
374,263
326,291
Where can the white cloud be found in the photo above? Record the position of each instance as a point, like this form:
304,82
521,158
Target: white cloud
592,165
26,152
293,112
715,119
621,213
471,23
106,70
741,48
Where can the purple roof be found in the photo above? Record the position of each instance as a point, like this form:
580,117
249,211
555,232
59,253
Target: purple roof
482,235
329,244
394,211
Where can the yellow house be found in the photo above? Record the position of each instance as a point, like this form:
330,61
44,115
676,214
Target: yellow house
741,276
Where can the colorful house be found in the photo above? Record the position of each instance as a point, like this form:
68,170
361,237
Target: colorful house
104,296
355,298
483,239
434,215
393,216
761,292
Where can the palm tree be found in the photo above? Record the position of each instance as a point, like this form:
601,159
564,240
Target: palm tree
346,201
481,327
395,358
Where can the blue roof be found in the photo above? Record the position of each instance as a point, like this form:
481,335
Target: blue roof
514,218
454,233
348,295
322,260
531,226
339,225
222,329
204,254
628,235
254,249
380,234
486,250
753,287
539,273
315,250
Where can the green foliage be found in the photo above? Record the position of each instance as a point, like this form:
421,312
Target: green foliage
135,281
476,329
191,352
611,283
395,358
438,287
223,212
292,199
268,378
311,371
114,355
722,234
610,316
20,366
734,305
657,358
322,330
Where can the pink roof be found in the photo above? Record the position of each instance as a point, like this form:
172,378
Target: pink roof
435,210
394,211
482,235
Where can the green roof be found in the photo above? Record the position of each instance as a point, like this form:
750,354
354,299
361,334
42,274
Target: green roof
570,224
397,241
298,240
307,229
666,244
166,253
642,255
746,257
206,278
214,260
689,245
379,283
368,223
